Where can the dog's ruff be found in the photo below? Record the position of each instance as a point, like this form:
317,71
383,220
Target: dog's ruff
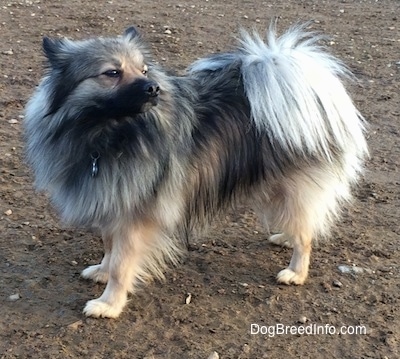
270,121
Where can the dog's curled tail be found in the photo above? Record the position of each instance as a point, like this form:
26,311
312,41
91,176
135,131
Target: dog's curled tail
295,93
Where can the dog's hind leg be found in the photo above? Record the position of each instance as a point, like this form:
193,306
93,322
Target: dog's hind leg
308,204
305,208
99,272
297,271
285,212
294,215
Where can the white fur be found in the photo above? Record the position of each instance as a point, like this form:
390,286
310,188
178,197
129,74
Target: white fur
296,94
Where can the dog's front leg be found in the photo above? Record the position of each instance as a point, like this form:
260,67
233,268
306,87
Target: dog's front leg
129,248
281,239
99,272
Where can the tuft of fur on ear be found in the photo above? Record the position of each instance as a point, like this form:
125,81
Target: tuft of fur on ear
53,50
131,33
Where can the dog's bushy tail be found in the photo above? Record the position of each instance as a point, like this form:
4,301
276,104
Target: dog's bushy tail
295,93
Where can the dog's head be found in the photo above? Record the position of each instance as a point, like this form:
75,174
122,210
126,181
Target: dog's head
102,77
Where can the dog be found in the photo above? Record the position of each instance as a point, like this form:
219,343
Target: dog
145,157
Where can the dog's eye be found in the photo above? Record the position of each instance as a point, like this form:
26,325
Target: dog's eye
112,73
145,70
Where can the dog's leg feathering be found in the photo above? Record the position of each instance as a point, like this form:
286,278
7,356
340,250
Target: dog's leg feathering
138,251
99,272
124,263
120,277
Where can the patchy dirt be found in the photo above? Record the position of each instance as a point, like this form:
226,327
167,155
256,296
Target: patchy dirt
230,271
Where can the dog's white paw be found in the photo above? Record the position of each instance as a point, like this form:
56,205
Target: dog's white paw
98,309
95,273
288,276
281,239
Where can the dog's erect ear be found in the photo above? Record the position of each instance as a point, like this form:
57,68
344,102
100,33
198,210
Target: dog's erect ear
53,49
131,33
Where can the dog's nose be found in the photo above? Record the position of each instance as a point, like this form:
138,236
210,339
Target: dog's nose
153,89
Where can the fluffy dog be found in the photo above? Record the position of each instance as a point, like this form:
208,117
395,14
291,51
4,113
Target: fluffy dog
144,157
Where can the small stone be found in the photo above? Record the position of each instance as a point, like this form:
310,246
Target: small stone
75,325
345,269
327,287
353,269
14,297
188,298
374,194
8,212
303,320
168,32
8,52
337,284
13,121
213,355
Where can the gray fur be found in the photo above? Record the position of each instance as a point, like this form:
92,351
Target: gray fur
255,122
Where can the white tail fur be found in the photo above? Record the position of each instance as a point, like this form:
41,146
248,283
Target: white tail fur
296,94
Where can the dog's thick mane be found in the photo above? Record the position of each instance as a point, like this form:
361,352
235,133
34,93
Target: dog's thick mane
135,155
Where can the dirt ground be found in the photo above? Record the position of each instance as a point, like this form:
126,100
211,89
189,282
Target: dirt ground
230,271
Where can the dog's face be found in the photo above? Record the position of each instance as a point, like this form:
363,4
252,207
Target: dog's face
102,77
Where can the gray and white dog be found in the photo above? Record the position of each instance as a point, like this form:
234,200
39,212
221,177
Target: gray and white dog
144,157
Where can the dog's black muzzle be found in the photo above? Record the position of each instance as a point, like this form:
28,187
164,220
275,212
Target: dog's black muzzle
136,97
